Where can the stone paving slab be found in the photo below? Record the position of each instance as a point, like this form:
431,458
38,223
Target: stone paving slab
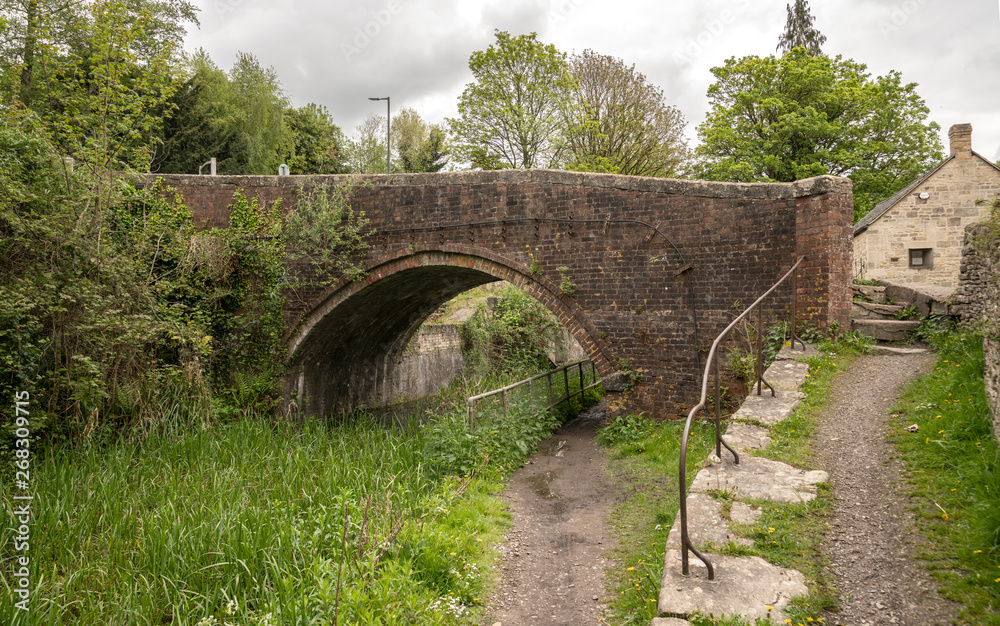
787,353
743,513
757,477
705,524
743,437
742,586
669,621
786,375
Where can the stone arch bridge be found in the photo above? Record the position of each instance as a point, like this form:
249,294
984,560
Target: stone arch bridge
658,265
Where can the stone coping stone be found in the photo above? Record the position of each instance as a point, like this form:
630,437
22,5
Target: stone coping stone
669,621
743,437
817,185
760,478
743,586
705,524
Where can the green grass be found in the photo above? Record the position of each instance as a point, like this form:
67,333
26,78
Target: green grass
645,459
953,473
256,522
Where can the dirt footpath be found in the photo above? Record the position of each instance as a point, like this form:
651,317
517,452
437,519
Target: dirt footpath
872,535
553,559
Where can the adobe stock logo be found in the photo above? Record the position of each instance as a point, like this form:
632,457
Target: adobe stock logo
364,34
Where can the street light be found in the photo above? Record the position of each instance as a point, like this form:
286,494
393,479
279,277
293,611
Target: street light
388,123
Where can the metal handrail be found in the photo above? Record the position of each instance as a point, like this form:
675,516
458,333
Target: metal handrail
685,538
528,381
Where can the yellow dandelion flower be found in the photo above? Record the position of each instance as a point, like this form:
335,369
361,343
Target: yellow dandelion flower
977,551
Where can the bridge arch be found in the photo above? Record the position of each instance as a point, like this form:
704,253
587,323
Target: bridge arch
344,353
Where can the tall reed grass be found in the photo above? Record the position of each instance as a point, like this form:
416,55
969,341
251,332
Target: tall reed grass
255,522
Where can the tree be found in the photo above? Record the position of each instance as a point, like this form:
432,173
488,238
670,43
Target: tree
510,116
419,146
39,37
204,124
783,119
799,30
366,149
264,137
617,121
238,118
318,146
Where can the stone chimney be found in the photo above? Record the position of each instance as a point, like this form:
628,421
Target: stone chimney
960,136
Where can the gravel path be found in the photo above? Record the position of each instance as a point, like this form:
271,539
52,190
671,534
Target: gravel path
553,559
872,532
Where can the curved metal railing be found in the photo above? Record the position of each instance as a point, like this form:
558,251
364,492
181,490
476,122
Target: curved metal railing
686,544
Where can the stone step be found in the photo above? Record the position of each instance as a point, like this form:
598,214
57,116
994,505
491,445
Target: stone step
864,310
885,330
895,351
747,586
874,293
745,437
706,526
757,477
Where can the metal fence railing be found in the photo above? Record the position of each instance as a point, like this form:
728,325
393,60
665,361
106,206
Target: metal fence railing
713,363
551,395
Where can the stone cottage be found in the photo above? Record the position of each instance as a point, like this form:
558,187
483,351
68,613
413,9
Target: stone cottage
916,235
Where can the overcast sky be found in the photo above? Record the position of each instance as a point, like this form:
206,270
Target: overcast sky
338,52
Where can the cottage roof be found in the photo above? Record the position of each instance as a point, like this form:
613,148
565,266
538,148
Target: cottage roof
885,205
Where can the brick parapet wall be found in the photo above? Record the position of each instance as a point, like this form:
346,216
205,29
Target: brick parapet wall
630,308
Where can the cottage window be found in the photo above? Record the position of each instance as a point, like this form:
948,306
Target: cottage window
920,258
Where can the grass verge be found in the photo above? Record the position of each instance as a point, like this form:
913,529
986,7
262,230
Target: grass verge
953,465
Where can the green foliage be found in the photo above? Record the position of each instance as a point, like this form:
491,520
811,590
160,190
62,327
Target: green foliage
509,117
263,138
907,313
318,146
953,461
512,338
788,118
799,30
324,232
741,358
616,121
625,430
645,468
420,147
257,523
566,285
239,118
94,317
367,152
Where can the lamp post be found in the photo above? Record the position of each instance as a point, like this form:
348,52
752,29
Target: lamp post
388,124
